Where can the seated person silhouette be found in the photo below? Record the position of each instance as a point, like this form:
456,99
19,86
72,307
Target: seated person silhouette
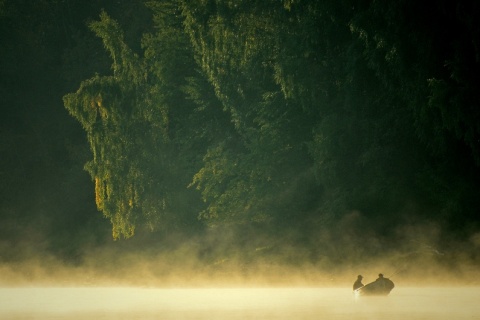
385,283
358,283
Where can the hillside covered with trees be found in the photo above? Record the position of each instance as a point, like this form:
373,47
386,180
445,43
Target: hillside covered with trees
321,125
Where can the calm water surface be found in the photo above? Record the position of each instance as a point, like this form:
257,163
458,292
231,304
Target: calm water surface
202,304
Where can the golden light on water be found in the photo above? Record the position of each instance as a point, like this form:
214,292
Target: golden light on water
447,303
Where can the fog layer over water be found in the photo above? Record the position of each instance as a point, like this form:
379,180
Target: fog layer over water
237,303
226,282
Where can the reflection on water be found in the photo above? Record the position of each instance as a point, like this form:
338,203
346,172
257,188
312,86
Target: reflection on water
271,303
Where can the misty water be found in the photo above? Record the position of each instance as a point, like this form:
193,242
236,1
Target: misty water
231,303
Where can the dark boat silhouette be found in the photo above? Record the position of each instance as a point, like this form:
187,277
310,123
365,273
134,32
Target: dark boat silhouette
380,287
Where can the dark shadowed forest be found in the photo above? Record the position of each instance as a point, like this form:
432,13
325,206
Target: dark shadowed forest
328,134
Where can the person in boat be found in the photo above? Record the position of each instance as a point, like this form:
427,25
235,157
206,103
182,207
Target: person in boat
358,283
385,282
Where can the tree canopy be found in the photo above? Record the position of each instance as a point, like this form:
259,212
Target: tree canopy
288,114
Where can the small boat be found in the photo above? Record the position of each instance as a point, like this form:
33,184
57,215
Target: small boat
380,287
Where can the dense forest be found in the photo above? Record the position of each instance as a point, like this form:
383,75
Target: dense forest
317,125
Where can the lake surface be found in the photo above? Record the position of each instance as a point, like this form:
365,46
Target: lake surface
457,303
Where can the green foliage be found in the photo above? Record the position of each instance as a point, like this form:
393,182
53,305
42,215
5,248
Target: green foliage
127,132
125,63
248,102
236,48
